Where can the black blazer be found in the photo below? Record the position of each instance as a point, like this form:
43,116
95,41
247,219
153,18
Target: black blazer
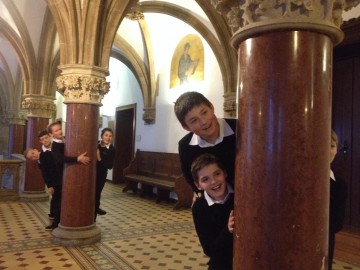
338,196
48,169
58,152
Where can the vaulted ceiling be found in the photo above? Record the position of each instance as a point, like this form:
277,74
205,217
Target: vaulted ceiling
29,46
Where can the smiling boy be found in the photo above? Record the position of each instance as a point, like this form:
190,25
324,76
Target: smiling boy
207,134
211,212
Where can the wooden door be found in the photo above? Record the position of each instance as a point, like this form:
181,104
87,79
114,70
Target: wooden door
124,140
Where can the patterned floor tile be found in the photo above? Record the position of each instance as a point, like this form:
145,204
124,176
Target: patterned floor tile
45,258
137,234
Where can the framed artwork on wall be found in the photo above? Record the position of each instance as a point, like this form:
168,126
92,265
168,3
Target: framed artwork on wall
187,63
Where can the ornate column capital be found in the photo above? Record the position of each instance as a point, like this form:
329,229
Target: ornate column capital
230,105
83,84
16,117
135,15
248,17
39,106
149,115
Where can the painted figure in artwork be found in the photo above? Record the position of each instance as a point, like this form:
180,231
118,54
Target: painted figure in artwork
187,66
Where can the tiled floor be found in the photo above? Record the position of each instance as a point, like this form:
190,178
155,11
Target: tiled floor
137,233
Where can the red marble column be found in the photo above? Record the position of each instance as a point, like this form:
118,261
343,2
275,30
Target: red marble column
77,224
34,185
282,165
16,139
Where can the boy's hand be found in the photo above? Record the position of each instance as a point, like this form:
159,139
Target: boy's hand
195,197
231,222
51,190
83,158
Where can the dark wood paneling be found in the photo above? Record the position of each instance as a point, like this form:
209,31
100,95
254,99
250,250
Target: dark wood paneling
355,166
342,121
346,117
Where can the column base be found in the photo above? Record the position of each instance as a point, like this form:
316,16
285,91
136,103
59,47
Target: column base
34,196
76,236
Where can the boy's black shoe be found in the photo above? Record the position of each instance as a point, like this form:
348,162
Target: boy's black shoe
101,212
49,228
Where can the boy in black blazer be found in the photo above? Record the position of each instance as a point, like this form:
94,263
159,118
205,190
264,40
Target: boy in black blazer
338,195
212,212
58,154
51,177
207,134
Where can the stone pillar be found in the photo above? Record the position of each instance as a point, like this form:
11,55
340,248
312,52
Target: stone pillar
17,133
282,167
39,110
84,88
284,122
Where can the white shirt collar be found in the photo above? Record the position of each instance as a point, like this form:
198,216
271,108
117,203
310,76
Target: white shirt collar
211,201
58,141
225,130
332,175
105,145
45,148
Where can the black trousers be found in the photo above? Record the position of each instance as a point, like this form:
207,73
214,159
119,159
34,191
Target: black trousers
331,249
100,183
51,207
56,205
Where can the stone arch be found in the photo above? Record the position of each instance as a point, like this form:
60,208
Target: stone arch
19,50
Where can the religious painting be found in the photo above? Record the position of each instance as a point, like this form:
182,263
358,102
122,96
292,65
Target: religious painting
187,63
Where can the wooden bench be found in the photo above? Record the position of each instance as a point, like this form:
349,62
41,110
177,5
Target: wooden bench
160,170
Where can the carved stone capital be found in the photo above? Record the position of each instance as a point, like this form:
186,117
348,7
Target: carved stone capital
135,16
149,116
230,105
250,17
82,88
3,119
39,106
16,117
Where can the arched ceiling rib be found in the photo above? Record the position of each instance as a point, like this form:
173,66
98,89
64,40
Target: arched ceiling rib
20,52
45,54
224,34
134,62
4,91
83,39
151,69
24,33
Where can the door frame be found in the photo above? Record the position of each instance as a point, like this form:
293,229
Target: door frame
117,173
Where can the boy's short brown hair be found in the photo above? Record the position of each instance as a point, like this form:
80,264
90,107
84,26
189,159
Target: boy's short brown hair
43,133
53,124
106,129
186,102
202,161
27,150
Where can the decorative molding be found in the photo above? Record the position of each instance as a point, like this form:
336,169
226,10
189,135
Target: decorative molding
3,119
135,16
230,105
149,116
82,88
39,106
16,117
247,17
